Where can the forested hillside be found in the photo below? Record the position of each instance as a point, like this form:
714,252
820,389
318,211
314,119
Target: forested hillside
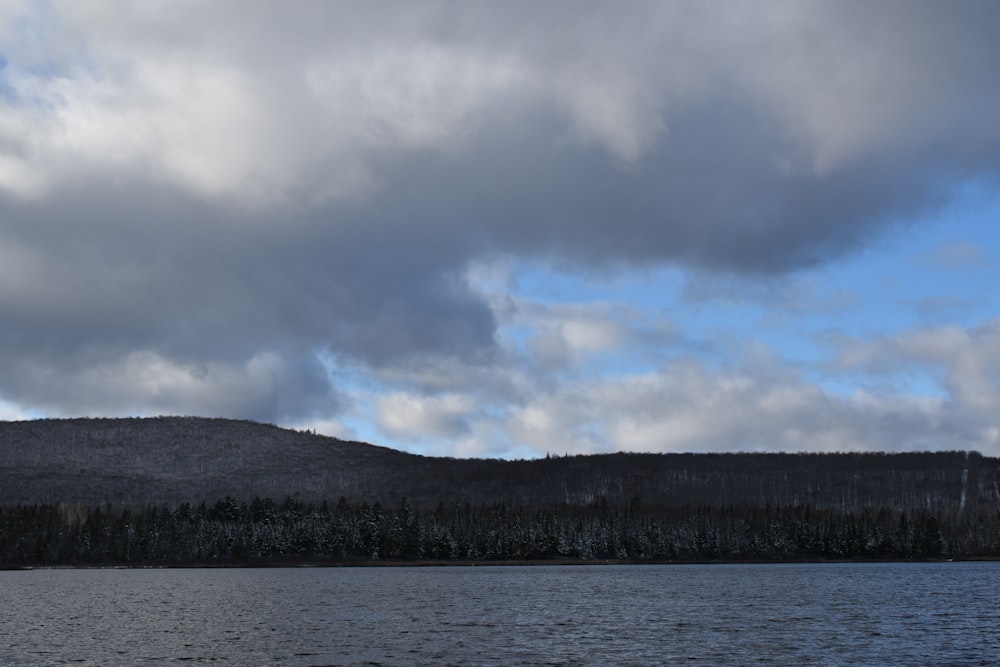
188,489
173,460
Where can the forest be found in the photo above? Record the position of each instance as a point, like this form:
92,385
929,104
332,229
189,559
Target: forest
263,531
168,461
187,490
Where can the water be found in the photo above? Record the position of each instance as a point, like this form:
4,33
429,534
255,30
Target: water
807,614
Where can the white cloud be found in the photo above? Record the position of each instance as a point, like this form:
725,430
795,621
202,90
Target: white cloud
414,416
762,403
688,407
566,335
12,412
146,382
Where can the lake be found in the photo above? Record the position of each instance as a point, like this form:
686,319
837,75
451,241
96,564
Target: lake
741,614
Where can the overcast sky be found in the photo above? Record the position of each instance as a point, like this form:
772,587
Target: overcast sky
506,228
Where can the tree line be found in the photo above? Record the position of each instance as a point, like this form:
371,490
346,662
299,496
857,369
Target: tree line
262,531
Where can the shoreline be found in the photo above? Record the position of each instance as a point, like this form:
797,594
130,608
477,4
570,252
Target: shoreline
314,563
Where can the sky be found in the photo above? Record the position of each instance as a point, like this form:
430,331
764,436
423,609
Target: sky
483,229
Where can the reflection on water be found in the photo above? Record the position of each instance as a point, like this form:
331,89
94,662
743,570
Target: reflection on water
805,614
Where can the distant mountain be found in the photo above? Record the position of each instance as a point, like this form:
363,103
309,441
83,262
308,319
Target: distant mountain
173,460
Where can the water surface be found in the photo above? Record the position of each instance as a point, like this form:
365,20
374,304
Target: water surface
803,614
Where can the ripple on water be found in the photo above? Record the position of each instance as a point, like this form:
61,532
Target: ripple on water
812,614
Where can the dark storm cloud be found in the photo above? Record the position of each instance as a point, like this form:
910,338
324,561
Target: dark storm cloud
710,196
221,196
196,288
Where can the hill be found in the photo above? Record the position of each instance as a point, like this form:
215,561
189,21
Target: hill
182,490
173,460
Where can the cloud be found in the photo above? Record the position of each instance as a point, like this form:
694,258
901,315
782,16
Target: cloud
10,412
931,387
566,336
954,256
684,405
405,415
964,362
147,383
202,205
925,388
